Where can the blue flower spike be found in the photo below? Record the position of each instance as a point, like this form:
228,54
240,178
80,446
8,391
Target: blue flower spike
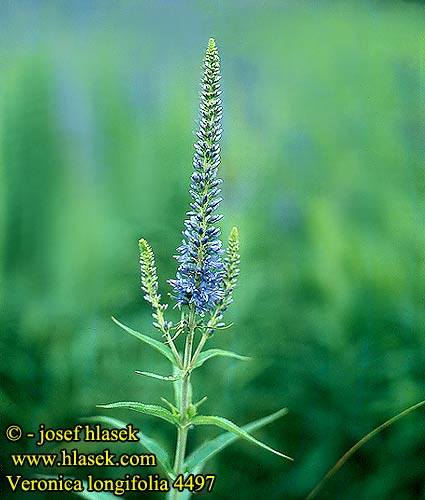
199,279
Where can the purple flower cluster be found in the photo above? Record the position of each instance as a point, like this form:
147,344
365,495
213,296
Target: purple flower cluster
199,279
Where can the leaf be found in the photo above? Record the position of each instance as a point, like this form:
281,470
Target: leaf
159,346
154,410
150,444
174,409
313,493
207,450
230,426
186,494
94,495
171,378
88,495
212,353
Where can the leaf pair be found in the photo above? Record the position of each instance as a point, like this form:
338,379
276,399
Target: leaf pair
195,462
198,458
167,353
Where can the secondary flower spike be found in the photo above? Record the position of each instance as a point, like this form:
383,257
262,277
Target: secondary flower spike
149,282
232,261
199,279
149,279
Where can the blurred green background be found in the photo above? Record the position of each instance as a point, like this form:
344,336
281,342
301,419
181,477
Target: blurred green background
322,152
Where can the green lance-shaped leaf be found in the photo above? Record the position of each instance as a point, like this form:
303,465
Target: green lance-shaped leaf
148,443
212,353
196,460
88,495
173,408
159,346
170,378
153,410
231,427
95,495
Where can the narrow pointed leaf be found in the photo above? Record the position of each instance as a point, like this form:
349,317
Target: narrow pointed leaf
171,378
209,449
88,495
94,495
313,493
154,410
159,346
212,353
230,426
174,409
186,494
148,443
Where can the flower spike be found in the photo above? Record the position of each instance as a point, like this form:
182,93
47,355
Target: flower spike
199,279
149,278
232,261
149,281
230,280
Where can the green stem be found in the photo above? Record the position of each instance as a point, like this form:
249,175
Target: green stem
165,331
204,338
185,401
201,344
173,349
180,451
359,444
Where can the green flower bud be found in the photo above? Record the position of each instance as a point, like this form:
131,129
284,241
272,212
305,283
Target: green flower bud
232,261
149,278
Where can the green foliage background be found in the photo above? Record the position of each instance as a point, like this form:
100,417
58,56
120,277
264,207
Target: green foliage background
322,151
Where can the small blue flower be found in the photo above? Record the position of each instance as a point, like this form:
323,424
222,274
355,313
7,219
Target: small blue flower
199,278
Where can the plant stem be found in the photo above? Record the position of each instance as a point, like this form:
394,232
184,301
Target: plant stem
359,444
173,348
204,338
185,401
180,449
165,331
